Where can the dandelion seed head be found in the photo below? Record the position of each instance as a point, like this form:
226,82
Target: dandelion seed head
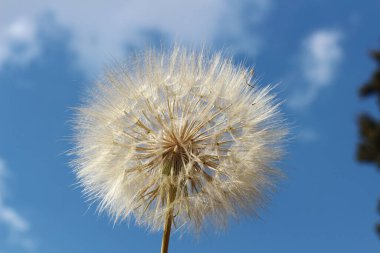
180,122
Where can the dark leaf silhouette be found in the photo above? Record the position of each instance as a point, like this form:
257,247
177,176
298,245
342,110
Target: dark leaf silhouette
369,145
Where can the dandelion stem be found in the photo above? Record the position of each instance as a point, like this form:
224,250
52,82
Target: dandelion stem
168,220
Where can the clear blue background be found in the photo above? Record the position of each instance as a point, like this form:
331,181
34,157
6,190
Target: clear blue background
326,204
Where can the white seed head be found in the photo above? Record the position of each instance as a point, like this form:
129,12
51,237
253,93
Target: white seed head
178,122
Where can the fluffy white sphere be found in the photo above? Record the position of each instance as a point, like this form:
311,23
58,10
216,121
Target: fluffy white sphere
178,131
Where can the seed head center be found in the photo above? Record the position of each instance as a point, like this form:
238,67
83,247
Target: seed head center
178,154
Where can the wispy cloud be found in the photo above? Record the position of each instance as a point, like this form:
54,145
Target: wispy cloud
321,55
241,24
10,220
18,42
109,27
307,135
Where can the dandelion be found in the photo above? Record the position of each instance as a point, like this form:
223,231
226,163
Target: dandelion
178,139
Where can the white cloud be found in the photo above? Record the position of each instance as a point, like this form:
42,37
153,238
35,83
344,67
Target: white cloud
103,28
10,219
18,42
321,55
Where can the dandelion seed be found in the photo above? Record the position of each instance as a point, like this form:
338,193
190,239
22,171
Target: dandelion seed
178,138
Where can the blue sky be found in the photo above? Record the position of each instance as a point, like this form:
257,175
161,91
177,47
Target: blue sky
317,53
